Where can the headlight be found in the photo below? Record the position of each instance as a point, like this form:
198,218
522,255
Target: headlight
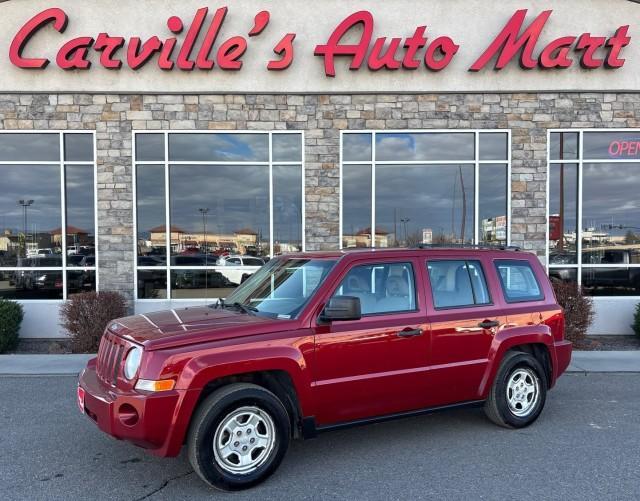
132,363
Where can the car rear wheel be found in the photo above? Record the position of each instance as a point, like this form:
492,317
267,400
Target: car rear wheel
238,437
518,393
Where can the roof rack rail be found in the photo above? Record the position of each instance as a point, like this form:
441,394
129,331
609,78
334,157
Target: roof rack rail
513,248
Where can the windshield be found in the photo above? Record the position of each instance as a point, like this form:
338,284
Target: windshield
282,287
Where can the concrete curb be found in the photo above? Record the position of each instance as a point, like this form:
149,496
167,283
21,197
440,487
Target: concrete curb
41,365
58,365
605,361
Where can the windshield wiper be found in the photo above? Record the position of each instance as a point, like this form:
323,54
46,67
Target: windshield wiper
244,308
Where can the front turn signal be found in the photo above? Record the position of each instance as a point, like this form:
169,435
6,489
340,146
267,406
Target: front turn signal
149,385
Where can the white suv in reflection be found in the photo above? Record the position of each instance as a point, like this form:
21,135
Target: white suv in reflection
240,267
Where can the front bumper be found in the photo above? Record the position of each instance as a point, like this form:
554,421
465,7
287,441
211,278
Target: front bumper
154,421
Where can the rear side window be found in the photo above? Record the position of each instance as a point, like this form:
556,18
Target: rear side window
519,283
457,283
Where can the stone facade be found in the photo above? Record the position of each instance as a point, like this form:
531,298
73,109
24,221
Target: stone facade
113,117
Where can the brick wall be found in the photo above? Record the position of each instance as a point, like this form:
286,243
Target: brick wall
113,117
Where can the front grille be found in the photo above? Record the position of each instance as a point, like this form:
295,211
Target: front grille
110,355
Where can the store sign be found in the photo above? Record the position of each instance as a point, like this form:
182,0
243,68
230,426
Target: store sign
196,45
624,148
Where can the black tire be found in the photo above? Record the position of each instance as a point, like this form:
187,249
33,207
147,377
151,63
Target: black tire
211,413
497,407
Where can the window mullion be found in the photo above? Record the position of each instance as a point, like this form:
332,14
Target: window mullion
579,226
373,191
476,188
167,229
63,213
270,194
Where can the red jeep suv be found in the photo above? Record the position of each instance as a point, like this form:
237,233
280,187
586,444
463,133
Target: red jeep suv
317,341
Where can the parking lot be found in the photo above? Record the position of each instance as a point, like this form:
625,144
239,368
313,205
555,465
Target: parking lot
586,445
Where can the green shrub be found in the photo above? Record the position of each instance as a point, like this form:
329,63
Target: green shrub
636,321
578,310
84,316
11,315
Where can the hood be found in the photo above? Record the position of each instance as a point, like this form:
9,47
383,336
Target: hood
175,327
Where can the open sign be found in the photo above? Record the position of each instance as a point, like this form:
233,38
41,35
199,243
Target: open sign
624,148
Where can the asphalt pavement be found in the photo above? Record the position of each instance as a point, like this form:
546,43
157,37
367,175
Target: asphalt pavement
586,445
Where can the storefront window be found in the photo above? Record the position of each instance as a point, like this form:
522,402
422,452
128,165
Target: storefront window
48,184
424,188
230,201
602,252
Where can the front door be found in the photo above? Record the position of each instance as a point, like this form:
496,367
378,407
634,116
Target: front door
464,320
376,365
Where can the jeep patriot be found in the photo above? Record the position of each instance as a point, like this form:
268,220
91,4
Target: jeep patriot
317,341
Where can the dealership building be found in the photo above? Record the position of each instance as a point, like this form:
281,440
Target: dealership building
166,150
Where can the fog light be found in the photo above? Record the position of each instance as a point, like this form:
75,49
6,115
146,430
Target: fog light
161,385
128,415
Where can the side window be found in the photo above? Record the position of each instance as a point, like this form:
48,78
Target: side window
519,283
456,283
381,288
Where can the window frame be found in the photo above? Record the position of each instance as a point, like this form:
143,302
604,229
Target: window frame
166,162
518,262
373,264
463,306
61,163
580,161
476,163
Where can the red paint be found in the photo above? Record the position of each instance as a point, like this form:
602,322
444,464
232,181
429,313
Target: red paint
589,45
260,23
171,52
514,41
138,53
230,52
55,16
556,54
440,53
509,42
616,43
384,54
412,45
183,62
109,47
191,51
341,371
334,48
203,61
284,49
73,54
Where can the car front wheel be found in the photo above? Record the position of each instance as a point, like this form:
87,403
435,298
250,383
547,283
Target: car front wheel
518,393
238,437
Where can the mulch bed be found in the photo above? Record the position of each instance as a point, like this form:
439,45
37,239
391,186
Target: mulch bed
608,343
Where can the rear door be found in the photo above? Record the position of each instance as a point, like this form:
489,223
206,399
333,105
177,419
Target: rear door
464,318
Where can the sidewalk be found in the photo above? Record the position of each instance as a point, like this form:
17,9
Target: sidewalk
42,365
605,361
58,365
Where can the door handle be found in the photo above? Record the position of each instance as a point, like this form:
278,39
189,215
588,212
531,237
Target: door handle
469,329
409,333
488,324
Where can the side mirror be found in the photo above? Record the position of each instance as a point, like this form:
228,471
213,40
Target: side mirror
342,308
